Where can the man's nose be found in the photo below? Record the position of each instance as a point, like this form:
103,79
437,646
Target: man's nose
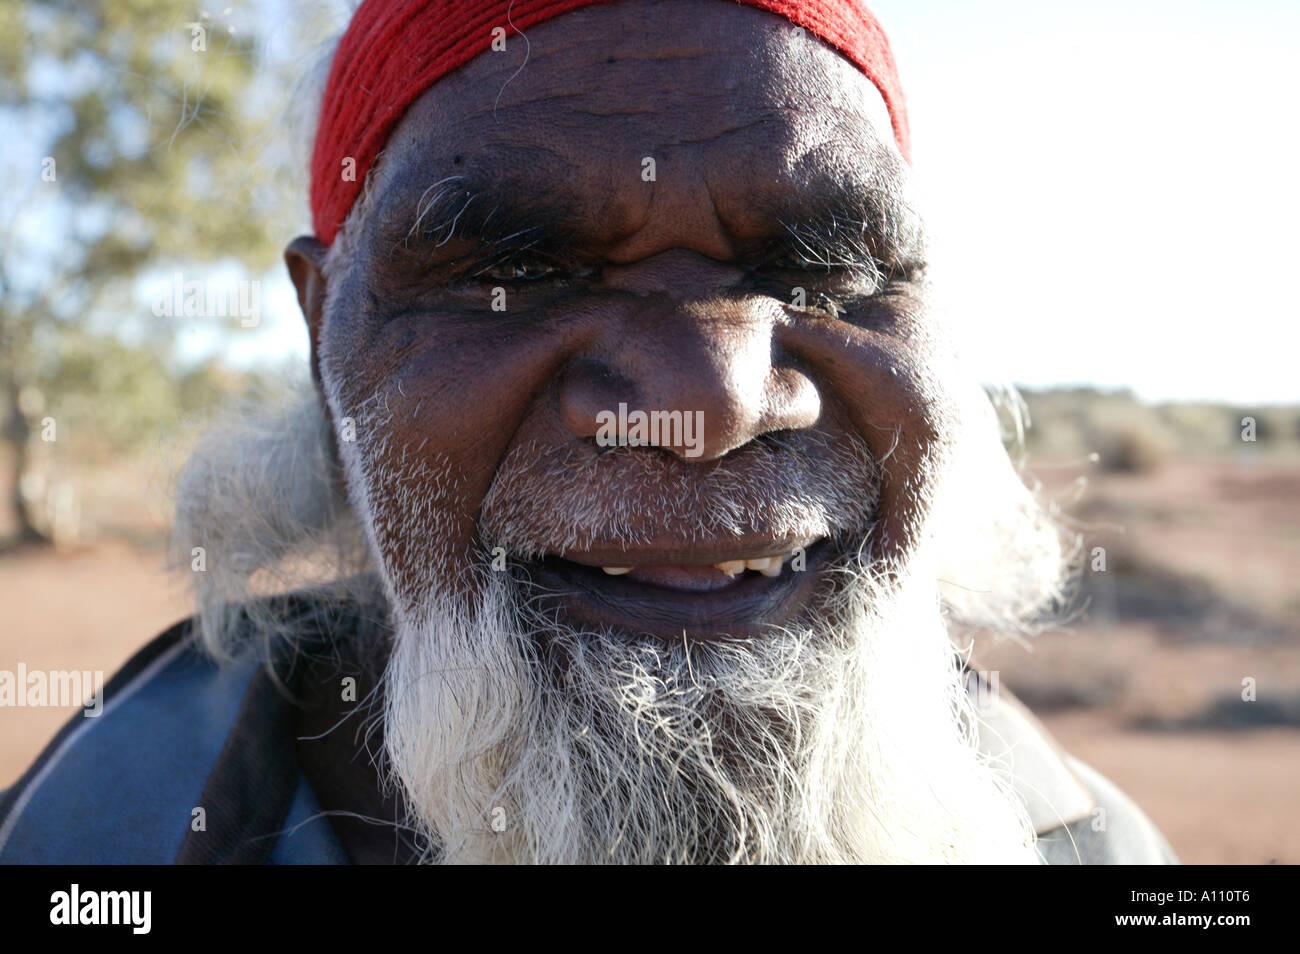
711,358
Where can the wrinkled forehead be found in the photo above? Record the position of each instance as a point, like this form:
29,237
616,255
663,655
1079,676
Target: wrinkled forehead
732,94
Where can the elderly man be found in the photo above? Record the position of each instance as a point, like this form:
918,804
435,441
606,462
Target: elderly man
639,511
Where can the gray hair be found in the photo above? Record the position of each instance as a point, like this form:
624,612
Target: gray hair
260,510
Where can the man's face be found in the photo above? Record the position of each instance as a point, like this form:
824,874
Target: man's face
683,208
679,207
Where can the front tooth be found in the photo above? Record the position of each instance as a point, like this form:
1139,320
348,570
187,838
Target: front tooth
768,566
731,567
616,570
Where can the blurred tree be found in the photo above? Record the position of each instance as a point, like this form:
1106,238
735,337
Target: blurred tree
142,146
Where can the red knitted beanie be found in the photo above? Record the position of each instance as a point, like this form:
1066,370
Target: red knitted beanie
394,50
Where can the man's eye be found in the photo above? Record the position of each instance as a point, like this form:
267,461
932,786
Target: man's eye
794,263
523,269
810,286
825,303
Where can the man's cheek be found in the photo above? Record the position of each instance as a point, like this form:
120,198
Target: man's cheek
432,432
897,399
416,508
409,495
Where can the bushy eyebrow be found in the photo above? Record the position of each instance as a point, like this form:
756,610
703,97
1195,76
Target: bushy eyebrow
497,218
868,231
830,242
837,227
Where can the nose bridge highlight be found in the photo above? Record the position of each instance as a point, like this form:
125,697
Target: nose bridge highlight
714,364
677,273
693,378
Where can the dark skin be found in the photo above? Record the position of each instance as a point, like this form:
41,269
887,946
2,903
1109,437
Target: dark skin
672,293
675,293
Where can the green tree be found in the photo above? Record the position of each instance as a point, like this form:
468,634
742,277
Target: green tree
137,140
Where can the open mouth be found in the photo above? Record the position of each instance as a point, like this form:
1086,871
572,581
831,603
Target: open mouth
735,590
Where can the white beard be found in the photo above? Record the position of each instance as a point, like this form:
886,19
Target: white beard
848,737
846,740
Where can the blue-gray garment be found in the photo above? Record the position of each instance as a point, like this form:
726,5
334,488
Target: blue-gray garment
121,788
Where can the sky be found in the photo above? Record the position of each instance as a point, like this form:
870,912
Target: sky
1111,188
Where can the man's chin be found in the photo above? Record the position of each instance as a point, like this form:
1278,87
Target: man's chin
700,605
827,741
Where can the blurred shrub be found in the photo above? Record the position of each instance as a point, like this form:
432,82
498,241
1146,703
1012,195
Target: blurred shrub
1133,448
1130,436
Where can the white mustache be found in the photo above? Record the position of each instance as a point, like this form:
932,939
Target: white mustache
545,500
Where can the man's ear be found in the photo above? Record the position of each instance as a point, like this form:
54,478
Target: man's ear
305,257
